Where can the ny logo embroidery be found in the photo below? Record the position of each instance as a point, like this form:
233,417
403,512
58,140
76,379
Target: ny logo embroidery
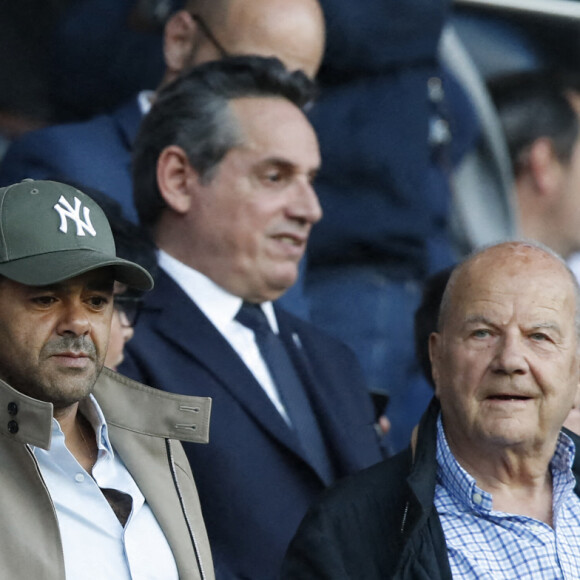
66,210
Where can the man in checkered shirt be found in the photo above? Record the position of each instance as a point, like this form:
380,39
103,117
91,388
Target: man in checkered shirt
488,487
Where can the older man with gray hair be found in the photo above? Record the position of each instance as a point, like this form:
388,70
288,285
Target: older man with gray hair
488,487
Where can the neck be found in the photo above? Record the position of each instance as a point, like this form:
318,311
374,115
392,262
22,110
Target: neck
520,483
79,436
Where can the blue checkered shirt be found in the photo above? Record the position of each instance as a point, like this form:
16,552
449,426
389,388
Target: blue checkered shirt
487,544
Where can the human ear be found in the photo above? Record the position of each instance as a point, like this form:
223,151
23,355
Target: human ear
545,167
175,177
179,39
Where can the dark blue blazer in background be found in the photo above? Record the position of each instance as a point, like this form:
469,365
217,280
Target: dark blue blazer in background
254,482
95,153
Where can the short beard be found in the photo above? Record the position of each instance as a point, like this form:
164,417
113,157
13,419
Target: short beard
67,391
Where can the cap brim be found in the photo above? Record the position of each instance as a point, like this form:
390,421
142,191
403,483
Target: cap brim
50,268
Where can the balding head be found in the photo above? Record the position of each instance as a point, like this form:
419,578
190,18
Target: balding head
524,256
505,359
293,31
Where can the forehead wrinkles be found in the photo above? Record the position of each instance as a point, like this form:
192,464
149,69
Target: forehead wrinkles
518,285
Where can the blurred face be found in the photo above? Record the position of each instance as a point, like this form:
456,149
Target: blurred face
53,339
121,331
567,211
250,224
292,31
506,360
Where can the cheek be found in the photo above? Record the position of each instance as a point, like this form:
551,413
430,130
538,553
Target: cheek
102,328
115,343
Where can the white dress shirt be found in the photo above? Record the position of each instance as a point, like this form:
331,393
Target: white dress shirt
221,308
95,544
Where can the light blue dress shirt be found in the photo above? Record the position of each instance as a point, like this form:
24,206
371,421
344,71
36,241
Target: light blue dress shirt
95,544
486,544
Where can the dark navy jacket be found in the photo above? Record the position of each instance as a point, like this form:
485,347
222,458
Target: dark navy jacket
95,153
254,483
381,523
384,190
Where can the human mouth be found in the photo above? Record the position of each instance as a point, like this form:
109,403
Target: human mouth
73,359
509,401
292,245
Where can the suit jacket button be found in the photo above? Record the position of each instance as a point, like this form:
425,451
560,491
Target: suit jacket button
13,427
12,408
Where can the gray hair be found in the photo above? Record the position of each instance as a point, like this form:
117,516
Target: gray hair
193,113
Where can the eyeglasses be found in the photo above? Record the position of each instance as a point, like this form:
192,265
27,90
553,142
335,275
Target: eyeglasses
211,36
129,306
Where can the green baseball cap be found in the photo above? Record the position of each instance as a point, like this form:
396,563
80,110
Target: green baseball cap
50,232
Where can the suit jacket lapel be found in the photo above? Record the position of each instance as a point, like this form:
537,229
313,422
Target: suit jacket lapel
183,323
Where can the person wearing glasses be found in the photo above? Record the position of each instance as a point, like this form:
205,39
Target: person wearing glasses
125,314
97,152
132,243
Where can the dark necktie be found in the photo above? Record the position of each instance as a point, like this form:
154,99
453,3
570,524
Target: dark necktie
290,388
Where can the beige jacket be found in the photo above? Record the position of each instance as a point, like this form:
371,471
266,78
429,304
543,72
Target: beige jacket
144,424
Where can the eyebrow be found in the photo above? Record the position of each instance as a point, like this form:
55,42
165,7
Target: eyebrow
286,164
478,318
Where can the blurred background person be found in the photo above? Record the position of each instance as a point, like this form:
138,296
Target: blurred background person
132,243
541,126
392,123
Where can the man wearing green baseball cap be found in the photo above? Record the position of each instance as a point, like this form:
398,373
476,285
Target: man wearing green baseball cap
94,480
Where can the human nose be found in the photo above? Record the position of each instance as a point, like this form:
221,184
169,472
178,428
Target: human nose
305,205
74,319
510,356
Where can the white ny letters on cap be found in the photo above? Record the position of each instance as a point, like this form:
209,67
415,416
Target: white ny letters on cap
66,210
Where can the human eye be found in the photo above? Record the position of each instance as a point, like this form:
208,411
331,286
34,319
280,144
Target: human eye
481,333
273,175
98,302
540,337
43,301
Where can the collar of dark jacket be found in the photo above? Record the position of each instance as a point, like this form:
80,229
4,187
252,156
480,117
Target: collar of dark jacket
423,471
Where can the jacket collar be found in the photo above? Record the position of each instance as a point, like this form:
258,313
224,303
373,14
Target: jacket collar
423,474
161,414
24,419
29,421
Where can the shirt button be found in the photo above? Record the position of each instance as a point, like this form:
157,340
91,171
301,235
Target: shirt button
477,498
12,408
13,427
79,477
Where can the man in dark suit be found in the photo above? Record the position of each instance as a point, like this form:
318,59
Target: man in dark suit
97,152
223,169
